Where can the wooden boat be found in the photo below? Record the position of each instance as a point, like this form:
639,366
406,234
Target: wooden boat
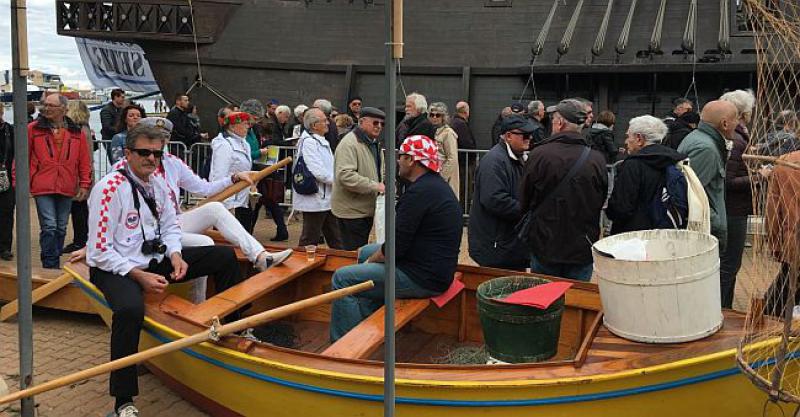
67,298
594,372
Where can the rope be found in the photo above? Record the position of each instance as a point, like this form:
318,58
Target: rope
566,40
724,41
693,84
531,81
597,50
622,44
538,47
689,31
196,49
400,77
655,38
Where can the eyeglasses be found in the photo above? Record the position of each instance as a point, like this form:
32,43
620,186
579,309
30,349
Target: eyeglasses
145,153
436,115
377,123
355,103
525,136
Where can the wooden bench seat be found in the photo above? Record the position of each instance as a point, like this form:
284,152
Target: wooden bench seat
252,288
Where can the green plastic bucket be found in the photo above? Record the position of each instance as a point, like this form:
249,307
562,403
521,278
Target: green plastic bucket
514,333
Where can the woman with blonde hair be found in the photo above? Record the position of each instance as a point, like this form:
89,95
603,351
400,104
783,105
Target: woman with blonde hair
79,113
447,141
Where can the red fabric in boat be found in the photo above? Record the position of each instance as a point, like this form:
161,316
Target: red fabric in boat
540,296
455,287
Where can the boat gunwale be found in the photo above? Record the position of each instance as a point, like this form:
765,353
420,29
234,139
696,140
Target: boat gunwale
172,333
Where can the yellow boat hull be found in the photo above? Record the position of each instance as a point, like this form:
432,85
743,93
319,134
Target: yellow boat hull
227,382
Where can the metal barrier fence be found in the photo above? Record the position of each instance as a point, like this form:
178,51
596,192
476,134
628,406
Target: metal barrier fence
198,158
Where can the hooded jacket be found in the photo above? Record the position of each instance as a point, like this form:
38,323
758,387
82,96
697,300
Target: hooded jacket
601,138
678,129
638,180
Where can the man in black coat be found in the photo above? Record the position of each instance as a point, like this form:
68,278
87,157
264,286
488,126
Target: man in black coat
496,207
460,124
7,201
109,114
641,176
536,113
416,121
679,128
182,128
565,223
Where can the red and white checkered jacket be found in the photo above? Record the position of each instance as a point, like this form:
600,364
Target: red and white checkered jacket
115,235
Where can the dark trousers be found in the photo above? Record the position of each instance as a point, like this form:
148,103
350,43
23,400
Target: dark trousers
247,218
80,222
7,203
778,293
276,211
126,299
317,222
355,232
731,259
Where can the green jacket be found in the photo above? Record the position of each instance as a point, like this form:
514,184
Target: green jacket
356,176
252,140
707,156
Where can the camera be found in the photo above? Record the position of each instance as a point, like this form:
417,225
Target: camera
154,246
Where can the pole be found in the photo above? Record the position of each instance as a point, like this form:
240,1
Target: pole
19,52
393,16
214,333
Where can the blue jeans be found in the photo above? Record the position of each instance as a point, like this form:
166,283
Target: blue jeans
53,211
347,312
731,258
580,272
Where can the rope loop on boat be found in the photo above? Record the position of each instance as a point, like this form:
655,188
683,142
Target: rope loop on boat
213,331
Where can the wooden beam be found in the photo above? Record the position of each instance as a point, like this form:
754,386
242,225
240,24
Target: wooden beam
10,310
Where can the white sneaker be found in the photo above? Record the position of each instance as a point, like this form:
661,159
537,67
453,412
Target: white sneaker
272,259
127,410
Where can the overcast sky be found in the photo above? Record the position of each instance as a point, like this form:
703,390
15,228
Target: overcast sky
47,51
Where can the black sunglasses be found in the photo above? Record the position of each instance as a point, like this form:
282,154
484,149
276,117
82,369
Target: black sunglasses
378,123
436,115
144,153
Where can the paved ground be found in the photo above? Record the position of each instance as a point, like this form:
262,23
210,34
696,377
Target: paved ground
66,343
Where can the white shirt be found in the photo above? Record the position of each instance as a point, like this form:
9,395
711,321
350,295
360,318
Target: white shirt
317,154
231,154
115,226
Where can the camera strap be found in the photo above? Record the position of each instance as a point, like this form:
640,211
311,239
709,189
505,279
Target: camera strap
137,189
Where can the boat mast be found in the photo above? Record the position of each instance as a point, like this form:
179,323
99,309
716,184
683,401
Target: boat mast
19,52
393,12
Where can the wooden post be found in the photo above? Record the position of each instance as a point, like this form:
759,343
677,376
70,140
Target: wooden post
397,26
10,310
241,185
206,335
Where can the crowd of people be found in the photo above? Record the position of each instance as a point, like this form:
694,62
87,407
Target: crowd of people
537,196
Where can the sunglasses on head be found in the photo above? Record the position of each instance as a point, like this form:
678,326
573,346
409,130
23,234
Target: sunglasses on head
144,153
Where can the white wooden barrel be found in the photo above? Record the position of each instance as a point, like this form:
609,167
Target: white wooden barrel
673,296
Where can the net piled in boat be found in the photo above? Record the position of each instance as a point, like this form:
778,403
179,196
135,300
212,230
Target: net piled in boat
769,351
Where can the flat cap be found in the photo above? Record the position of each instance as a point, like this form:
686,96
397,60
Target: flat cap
372,112
550,109
517,108
518,122
572,110
157,122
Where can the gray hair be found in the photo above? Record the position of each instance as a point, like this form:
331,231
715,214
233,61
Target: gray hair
462,107
534,106
63,101
744,100
253,107
441,108
313,117
283,109
299,109
420,103
323,105
140,130
652,128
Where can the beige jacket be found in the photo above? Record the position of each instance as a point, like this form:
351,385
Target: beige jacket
447,140
355,184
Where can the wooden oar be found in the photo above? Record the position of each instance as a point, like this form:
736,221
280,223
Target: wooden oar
241,185
206,335
774,159
10,310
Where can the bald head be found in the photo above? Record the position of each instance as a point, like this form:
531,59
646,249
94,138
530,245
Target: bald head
722,115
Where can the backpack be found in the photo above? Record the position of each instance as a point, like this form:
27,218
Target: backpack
303,181
669,208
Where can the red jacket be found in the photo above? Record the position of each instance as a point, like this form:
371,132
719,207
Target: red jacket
58,174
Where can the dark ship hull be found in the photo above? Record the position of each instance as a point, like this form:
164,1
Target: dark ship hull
488,52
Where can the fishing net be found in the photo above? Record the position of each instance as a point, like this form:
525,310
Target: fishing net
769,349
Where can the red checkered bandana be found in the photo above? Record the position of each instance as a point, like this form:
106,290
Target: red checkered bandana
422,149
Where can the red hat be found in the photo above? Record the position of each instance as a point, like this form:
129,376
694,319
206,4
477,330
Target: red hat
422,149
236,118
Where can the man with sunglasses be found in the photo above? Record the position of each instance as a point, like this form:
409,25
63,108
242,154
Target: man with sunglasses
135,248
358,178
564,188
496,209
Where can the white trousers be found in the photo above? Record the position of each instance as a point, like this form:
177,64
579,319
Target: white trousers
196,221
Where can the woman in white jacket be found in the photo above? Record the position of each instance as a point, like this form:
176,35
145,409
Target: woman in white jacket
318,157
231,155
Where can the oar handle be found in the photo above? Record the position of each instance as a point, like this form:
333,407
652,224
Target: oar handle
192,340
241,185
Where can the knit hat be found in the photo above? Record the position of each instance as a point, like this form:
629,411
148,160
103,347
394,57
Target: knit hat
236,118
422,149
